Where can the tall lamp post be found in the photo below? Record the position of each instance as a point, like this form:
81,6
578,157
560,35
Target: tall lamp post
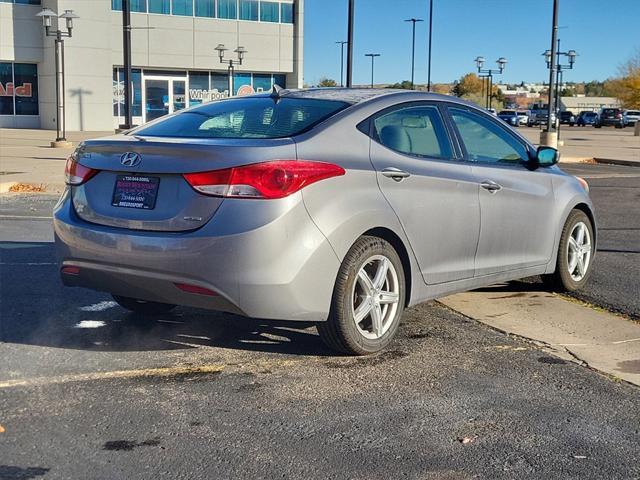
571,55
240,51
413,47
47,16
489,73
342,44
429,55
373,57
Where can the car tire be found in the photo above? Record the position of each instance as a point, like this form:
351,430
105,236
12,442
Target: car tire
353,295
568,278
142,306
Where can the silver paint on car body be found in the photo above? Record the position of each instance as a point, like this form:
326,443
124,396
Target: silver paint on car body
279,259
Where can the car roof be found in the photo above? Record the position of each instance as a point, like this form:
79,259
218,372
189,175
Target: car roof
359,95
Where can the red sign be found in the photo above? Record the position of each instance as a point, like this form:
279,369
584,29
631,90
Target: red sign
8,90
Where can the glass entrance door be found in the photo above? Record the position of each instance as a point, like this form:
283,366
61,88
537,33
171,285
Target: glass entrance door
163,96
156,98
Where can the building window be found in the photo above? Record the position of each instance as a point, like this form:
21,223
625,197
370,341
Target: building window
262,82
198,87
138,6
286,12
249,10
220,82
160,6
183,7
205,8
23,2
269,12
118,92
18,89
241,80
227,9
280,80
6,89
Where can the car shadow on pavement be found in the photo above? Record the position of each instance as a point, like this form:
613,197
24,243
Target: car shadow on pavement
36,309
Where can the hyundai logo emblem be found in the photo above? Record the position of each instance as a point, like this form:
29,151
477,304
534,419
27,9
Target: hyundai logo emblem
130,159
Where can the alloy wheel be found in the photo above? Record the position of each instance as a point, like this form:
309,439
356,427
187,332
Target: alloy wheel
579,251
375,297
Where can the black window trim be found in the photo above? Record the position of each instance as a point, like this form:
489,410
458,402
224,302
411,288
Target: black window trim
479,112
367,127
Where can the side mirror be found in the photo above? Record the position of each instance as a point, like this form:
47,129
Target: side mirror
546,157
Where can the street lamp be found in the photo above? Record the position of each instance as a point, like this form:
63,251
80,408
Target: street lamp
429,54
373,56
548,57
47,16
413,47
240,52
488,74
342,44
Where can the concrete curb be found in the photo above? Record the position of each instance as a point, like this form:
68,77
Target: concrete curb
600,340
614,161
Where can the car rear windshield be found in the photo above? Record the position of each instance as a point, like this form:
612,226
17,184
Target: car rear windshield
633,112
250,117
507,112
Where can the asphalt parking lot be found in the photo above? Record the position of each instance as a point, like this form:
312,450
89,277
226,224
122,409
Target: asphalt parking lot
88,390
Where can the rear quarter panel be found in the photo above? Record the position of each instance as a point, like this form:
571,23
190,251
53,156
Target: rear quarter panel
345,207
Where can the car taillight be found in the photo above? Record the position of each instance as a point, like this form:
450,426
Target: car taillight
76,174
267,180
619,115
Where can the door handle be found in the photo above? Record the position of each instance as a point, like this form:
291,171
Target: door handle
491,186
395,173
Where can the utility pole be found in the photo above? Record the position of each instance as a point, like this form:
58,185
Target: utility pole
413,48
342,44
550,136
350,44
373,57
126,48
430,32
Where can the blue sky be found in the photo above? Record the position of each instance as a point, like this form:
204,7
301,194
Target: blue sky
603,32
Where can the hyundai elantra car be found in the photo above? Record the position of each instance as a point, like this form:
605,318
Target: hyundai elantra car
336,206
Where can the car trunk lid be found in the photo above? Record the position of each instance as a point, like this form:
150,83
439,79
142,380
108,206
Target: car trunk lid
140,183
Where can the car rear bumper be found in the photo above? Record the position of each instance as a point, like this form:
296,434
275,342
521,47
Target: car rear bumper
263,259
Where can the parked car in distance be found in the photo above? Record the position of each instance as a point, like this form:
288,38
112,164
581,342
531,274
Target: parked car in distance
567,118
587,118
631,117
492,111
539,116
510,117
610,117
340,207
523,116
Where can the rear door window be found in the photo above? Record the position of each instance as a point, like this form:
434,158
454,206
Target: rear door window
417,130
251,117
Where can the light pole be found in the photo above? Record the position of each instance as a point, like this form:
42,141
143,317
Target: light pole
352,7
571,55
489,73
430,31
47,16
413,47
342,44
240,51
373,56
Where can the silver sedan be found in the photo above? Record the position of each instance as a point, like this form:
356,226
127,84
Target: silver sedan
337,206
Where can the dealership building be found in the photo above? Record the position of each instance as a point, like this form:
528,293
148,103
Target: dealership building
174,61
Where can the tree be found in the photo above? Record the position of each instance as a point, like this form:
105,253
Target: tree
468,84
327,82
405,85
626,88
